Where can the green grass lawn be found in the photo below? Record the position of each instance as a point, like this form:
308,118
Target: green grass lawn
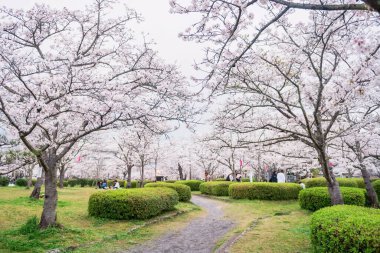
282,226
80,232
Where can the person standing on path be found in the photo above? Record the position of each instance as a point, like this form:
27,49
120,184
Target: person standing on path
281,177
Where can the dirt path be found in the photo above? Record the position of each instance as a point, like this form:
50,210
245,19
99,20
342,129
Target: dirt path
199,236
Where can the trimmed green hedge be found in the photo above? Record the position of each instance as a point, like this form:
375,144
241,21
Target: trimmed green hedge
134,183
318,197
216,188
21,182
268,191
4,181
321,182
345,228
376,186
184,191
132,203
193,184
170,181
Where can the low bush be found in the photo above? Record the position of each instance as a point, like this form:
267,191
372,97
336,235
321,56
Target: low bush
268,191
245,180
4,181
321,182
22,182
345,228
318,197
376,186
184,191
132,203
82,182
216,188
72,182
220,179
359,182
193,184
133,184
170,181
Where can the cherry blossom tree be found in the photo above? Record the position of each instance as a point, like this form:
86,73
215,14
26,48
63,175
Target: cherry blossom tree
65,163
364,137
231,28
297,91
67,74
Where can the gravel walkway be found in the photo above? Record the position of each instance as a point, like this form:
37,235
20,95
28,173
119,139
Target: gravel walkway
199,236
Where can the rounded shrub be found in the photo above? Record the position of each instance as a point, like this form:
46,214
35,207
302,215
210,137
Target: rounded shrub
376,186
220,179
21,182
132,203
216,188
170,181
245,180
4,181
133,184
193,184
72,182
184,191
345,228
360,182
321,182
265,191
318,197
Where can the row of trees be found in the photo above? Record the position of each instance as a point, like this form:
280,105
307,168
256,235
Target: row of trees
310,82
65,75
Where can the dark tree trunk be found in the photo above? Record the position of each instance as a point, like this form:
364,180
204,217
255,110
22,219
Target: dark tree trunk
30,175
332,184
372,196
142,177
62,171
37,187
180,171
129,178
49,213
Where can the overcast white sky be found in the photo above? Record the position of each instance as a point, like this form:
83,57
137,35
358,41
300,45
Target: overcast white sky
159,24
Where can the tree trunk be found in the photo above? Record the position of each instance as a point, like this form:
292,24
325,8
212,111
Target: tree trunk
49,213
332,184
37,187
61,176
372,196
30,175
142,177
129,180
180,171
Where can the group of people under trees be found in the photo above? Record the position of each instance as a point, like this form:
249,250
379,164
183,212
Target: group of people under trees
278,177
230,177
103,185
275,178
